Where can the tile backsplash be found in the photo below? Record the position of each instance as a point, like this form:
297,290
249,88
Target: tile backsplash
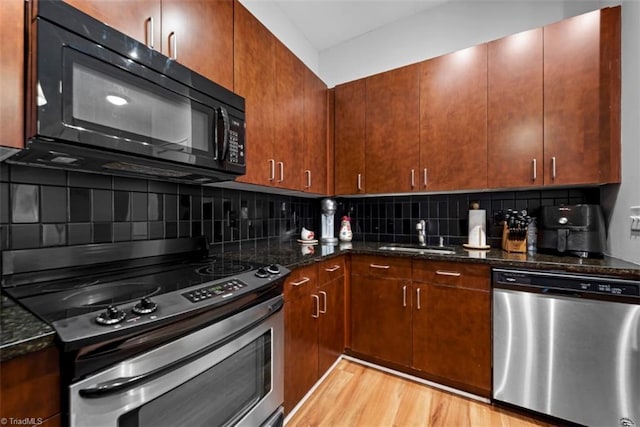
46,207
393,219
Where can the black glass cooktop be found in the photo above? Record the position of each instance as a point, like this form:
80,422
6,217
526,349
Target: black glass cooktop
65,298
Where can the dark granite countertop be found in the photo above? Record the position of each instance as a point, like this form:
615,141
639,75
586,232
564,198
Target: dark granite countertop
22,332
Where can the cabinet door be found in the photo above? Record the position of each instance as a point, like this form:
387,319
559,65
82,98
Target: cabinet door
453,120
301,314
349,112
331,325
139,19
381,318
288,146
315,134
580,102
30,386
455,343
392,137
515,111
12,73
254,78
199,35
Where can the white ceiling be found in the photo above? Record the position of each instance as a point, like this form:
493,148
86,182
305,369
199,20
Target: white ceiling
326,23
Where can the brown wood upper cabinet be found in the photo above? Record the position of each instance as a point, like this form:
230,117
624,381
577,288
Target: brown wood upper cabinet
453,120
254,77
515,144
582,99
12,74
350,134
392,130
316,156
196,33
286,110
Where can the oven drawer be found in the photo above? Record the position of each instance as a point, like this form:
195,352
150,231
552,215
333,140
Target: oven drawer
235,365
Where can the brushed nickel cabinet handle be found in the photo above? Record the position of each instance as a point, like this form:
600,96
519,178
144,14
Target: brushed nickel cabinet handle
384,267
317,313
448,273
324,301
418,297
424,176
332,269
281,164
150,32
174,49
404,296
272,168
534,165
308,173
300,282
413,178
553,168
359,182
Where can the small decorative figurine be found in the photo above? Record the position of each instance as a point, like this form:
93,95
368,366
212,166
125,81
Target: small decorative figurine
345,230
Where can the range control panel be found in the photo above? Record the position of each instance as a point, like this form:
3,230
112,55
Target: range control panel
223,290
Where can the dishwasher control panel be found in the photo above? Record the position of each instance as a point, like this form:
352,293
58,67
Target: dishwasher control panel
562,281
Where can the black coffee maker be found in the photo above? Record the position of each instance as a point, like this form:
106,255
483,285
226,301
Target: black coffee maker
575,230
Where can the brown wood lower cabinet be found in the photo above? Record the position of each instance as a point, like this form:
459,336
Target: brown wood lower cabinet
30,388
314,326
381,308
431,319
452,332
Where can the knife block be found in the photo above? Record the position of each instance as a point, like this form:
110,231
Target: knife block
517,246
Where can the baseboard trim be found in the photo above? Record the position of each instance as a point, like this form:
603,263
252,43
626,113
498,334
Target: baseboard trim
417,379
310,392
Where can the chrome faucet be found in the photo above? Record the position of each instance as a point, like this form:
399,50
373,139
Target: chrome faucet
421,226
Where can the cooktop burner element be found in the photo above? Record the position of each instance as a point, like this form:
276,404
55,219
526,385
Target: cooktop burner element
225,268
93,292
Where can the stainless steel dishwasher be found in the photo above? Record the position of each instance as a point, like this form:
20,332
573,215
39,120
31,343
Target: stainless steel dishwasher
567,345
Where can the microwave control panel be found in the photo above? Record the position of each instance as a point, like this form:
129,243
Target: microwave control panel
236,143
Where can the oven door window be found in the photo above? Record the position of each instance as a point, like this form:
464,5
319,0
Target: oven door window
102,102
220,396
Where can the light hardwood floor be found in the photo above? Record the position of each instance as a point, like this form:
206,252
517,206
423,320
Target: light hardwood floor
356,395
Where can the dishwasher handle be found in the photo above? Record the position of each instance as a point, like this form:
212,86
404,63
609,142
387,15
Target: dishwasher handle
565,292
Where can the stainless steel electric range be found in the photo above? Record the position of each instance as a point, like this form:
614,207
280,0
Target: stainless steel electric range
145,327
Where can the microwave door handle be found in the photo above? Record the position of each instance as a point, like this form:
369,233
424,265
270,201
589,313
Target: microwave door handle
222,112
123,383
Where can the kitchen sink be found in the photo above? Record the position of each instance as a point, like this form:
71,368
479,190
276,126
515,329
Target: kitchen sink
416,249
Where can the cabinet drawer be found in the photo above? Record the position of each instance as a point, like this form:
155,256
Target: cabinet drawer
457,274
331,269
374,266
301,281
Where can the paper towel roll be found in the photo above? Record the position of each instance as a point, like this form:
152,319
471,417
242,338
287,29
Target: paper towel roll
477,228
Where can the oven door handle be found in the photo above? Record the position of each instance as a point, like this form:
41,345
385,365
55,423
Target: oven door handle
118,384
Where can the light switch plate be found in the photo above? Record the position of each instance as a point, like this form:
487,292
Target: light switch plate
635,219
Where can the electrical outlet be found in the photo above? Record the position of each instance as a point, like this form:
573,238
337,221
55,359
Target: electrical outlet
635,220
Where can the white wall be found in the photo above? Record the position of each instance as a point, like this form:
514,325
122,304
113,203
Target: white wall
618,199
276,21
442,29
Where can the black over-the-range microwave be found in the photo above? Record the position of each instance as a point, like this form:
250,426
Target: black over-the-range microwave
100,101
